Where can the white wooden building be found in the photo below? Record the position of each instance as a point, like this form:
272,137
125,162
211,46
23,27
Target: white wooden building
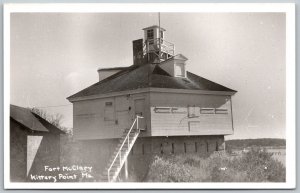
182,112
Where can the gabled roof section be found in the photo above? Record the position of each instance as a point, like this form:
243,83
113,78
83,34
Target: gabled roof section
146,76
180,57
30,120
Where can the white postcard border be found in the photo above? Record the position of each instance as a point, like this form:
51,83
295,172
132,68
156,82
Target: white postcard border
288,8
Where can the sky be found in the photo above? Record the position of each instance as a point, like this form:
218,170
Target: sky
54,55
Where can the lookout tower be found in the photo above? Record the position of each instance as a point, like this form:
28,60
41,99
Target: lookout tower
156,48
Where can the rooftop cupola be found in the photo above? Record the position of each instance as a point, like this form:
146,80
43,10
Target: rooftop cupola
157,49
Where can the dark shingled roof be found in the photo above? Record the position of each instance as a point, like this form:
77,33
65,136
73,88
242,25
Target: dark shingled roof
145,76
31,120
109,69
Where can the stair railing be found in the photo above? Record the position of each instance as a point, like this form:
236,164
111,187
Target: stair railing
119,154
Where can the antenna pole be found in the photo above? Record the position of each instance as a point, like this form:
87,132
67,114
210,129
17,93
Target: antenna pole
159,39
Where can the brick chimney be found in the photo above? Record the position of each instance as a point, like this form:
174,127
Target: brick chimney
137,46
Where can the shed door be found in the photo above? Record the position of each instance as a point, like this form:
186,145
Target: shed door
139,109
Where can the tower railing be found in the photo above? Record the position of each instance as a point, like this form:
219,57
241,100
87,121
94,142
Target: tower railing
152,46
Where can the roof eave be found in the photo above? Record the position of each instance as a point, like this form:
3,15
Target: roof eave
151,89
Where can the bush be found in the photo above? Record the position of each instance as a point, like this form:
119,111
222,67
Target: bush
253,166
163,170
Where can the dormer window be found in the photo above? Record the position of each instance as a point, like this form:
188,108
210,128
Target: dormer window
179,70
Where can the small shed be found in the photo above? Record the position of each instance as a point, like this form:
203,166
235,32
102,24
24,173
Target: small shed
34,144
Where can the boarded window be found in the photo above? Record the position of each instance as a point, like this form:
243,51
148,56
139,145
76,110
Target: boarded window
162,109
207,111
179,110
108,111
192,112
221,111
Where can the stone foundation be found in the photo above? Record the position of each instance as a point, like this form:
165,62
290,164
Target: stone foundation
96,153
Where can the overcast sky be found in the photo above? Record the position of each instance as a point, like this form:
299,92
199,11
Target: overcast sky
54,55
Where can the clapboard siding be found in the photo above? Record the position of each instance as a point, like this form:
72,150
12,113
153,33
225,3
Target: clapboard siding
90,122
173,123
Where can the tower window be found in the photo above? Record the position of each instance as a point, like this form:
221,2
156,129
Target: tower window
162,34
150,34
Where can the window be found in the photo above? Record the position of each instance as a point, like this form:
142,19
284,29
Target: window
179,70
108,111
221,111
162,34
162,109
150,34
207,111
179,110
213,111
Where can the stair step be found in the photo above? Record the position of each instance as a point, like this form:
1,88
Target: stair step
114,170
126,131
123,150
130,135
118,158
122,140
125,144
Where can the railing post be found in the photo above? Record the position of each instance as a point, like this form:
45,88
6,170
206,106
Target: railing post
137,123
120,149
120,157
128,141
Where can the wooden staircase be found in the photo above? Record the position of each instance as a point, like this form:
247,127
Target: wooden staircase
117,160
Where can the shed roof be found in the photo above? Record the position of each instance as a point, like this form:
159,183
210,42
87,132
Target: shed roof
31,120
145,76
